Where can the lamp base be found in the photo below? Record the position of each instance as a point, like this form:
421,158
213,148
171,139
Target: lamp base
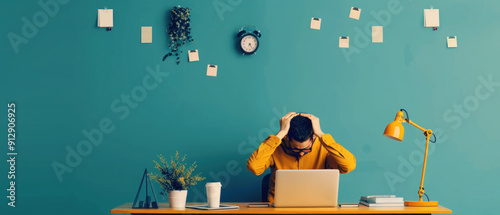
421,204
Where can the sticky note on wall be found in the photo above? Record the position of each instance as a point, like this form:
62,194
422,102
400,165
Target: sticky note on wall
431,18
355,13
377,34
193,55
315,23
343,42
452,41
146,34
104,18
211,70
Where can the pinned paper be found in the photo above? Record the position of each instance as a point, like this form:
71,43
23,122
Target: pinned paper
355,13
377,34
146,34
104,18
431,18
452,41
315,23
343,42
211,70
193,55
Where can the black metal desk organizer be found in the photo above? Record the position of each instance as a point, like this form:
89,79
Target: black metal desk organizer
147,203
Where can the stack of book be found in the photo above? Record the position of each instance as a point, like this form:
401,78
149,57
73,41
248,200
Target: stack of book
382,201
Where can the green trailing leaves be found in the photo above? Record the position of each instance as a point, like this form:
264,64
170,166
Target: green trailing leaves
179,30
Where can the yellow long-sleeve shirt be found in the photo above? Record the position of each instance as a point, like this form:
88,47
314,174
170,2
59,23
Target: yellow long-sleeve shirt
325,154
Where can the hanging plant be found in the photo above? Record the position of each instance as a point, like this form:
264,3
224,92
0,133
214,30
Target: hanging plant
179,31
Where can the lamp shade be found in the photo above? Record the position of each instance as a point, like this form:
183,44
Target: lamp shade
395,129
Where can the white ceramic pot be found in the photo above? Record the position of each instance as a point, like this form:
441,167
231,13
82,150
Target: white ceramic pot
177,199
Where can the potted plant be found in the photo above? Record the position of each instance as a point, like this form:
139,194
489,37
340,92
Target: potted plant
179,31
175,179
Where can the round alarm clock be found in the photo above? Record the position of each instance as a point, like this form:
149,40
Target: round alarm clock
248,41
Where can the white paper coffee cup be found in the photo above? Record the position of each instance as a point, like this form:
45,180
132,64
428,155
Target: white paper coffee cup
213,194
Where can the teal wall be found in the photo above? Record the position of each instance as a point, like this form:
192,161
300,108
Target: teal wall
66,78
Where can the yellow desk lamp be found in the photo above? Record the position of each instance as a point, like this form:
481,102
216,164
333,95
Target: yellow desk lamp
396,131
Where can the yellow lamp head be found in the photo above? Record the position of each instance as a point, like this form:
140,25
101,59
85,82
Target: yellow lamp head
395,129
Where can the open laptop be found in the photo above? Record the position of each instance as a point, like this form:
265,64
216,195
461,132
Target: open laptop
306,188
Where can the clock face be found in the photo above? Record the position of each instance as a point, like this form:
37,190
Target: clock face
249,43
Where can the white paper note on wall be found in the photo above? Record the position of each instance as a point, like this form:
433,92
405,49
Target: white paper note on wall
211,70
431,18
146,34
193,55
315,23
355,13
104,18
343,42
377,34
452,41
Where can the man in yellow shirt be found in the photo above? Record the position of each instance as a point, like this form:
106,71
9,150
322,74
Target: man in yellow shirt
300,144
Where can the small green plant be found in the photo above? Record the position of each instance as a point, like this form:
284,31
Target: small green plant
175,175
179,31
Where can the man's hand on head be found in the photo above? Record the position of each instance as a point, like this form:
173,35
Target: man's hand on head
285,124
315,124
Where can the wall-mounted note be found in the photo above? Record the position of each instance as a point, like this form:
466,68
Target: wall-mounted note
104,18
315,23
431,18
355,13
377,34
193,55
146,34
343,42
211,70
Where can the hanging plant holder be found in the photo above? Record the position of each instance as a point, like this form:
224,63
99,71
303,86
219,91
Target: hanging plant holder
179,31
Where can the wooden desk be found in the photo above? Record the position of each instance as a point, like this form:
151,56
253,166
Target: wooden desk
164,209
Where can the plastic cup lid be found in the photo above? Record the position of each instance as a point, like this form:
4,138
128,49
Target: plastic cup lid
213,184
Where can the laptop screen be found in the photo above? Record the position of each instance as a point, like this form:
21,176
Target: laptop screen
306,188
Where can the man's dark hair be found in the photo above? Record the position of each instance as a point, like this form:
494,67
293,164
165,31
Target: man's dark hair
300,128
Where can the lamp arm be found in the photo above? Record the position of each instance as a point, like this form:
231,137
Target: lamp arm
421,191
427,133
414,124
